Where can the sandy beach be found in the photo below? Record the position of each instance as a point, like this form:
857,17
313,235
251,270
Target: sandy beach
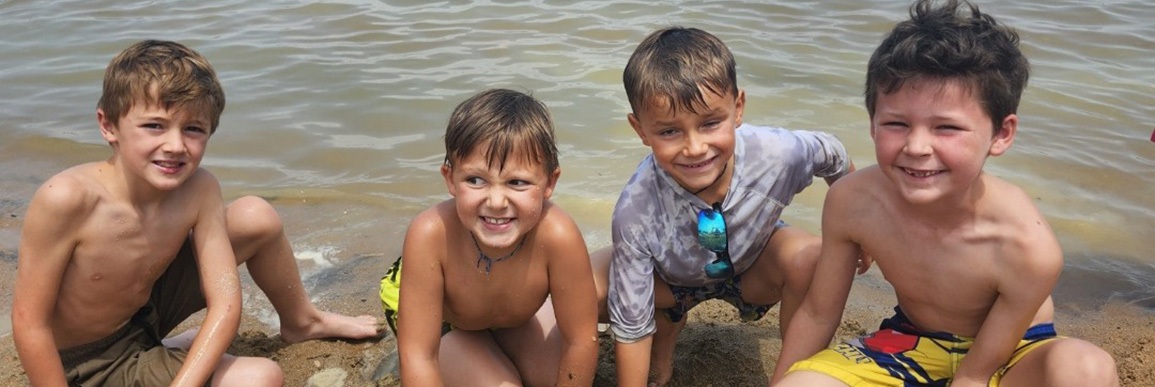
715,349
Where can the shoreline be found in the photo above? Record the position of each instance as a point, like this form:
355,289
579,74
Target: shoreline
715,348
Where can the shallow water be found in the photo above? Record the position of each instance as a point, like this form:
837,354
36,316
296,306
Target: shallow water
336,110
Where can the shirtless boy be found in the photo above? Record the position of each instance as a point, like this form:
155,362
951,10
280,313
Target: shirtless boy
114,254
971,259
699,219
503,268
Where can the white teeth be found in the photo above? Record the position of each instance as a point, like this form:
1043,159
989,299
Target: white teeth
496,221
917,173
168,164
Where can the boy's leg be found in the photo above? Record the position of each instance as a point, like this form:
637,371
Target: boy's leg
1063,362
473,358
808,379
232,370
600,262
534,348
782,272
259,241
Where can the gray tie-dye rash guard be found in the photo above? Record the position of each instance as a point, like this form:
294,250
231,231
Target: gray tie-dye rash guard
655,219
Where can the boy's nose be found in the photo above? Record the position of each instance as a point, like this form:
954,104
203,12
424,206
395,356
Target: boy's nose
695,146
918,143
497,199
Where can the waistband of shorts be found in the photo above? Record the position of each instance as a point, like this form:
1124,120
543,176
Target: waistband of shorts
899,322
71,357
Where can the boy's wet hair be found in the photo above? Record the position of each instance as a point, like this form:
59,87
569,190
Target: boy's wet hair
675,63
164,72
939,42
504,122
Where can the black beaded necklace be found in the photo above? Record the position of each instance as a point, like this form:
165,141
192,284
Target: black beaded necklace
489,261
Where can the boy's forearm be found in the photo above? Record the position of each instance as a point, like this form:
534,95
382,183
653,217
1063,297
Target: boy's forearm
807,337
419,370
633,361
215,335
38,355
578,360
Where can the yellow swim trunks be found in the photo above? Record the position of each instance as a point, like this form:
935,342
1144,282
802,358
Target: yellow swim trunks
898,354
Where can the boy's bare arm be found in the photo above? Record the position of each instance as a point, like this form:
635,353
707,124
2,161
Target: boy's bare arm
817,318
574,300
422,298
1031,266
49,235
219,282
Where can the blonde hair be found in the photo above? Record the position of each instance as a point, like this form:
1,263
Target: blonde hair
169,73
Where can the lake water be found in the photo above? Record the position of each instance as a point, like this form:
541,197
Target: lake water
336,109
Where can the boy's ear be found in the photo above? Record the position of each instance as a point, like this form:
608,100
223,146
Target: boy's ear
637,128
739,107
107,126
552,182
1006,136
447,174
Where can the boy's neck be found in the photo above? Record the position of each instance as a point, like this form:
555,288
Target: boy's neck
950,211
131,188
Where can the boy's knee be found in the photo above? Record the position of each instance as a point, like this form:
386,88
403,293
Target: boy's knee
251,217
250,371
1080,363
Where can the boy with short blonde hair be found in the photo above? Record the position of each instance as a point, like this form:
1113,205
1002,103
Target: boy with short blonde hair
497,289
114,254
699,219
971,259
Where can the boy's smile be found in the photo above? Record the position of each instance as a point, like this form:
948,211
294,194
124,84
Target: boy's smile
161,146
694,147
932,138
498,206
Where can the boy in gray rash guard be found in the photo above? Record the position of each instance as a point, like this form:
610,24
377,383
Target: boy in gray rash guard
708,175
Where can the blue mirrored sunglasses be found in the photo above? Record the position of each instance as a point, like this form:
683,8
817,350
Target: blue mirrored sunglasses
712,236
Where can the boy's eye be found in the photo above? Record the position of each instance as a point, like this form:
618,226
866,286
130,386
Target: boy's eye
196,129
152,125
474,180
667,132
894,124
711,124
518,183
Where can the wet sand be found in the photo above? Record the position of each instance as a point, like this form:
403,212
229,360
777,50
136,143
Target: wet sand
714,349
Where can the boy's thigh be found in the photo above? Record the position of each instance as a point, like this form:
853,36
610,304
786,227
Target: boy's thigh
787,260
1062,358
155,366
473,358
809,379
534,348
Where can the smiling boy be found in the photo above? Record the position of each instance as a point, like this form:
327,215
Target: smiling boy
699,219
497,286
971,259
114,254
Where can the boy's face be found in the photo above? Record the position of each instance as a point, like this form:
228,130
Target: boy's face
693,147
498,206
162,146
931,138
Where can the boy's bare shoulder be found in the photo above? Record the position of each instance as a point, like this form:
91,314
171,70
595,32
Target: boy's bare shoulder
556,228
430,225
1014,216
73,191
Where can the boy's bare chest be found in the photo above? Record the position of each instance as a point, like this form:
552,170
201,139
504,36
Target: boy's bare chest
120,246
506,297
951,277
